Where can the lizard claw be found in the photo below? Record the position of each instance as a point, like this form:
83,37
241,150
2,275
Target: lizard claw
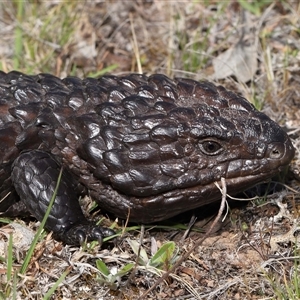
79,234
97,234
81,237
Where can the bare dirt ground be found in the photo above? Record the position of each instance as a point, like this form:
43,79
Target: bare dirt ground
253,254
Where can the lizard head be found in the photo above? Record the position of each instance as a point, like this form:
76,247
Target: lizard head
164,143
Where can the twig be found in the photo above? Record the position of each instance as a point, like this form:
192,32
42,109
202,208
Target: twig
191,224
130,278
197,244
135,47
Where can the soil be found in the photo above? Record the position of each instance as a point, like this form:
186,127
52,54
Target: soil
253,253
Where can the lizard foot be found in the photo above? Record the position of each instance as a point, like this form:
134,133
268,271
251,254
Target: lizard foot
34,176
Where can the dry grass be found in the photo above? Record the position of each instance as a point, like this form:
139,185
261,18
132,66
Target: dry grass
243,259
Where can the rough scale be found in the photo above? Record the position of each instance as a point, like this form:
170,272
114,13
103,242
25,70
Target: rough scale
144,147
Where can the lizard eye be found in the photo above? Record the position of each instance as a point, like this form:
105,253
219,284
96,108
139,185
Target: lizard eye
210,147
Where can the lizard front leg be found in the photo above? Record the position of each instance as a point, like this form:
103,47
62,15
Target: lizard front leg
34,176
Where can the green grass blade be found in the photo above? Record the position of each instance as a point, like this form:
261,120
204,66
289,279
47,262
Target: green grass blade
14,287
103,71
101,266
18,35
57,283
163,255
37,235
9,258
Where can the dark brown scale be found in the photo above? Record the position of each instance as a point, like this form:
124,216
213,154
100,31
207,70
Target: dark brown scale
147,147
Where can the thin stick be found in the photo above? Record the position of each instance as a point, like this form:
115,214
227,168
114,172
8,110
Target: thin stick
197,244
135,46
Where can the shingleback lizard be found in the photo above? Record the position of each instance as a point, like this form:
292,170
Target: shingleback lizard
147,148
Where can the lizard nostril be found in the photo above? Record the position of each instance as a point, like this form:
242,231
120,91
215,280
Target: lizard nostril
276,150
280,151
275,153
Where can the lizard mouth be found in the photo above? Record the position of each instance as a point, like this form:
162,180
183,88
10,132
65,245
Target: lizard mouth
168,204
239,175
